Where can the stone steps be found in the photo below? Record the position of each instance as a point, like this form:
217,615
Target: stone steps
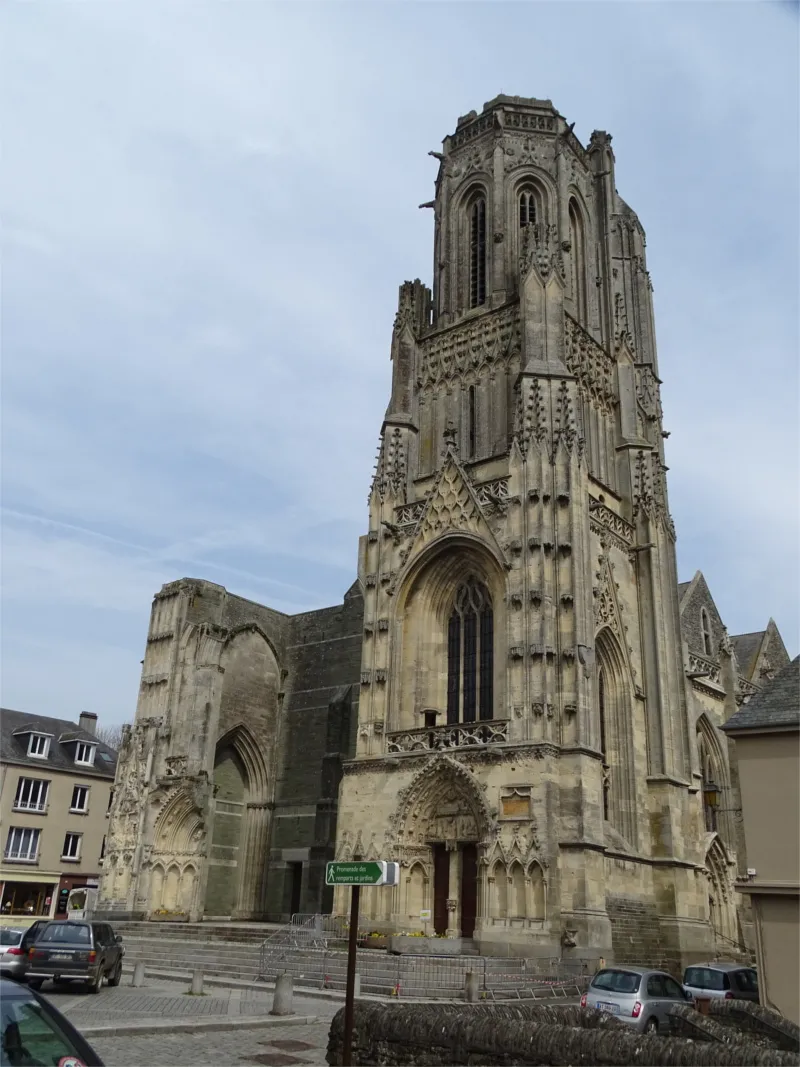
206,933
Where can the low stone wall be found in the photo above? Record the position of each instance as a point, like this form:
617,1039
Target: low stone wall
753,1018
686,1021
423,1035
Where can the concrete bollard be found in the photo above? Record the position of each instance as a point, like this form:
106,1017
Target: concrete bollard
282,1000
138,974
357,986
471,987
197,983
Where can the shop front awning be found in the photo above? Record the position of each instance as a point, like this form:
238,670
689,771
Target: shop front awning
30,877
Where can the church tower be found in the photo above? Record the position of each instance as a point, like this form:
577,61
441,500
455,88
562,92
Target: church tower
523,744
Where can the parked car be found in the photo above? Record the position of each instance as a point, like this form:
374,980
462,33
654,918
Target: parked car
35,1034
730,981
76,952
15,943
12,956
635,995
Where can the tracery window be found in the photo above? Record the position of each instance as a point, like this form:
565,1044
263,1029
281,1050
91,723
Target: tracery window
470,655
477,253
527,208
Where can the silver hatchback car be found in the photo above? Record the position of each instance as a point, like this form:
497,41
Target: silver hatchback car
635,995
730,981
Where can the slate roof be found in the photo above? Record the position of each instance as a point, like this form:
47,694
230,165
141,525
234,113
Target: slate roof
14,749
777,705
747,647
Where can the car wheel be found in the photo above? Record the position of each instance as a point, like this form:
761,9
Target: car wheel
35,983
116,975
651,1026
94,987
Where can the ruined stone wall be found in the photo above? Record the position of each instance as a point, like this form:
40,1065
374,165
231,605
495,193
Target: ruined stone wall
317,731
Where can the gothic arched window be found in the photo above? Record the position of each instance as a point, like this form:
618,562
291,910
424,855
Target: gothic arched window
705,627
472,424
477,253
601,707
709,781
527,208
470,655
578,261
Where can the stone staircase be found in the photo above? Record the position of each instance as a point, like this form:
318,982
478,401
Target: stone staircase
249,952
224,950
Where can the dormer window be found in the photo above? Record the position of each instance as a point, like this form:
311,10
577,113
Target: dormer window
84,753
39,746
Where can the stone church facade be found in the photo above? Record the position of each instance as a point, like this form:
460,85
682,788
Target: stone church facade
516,700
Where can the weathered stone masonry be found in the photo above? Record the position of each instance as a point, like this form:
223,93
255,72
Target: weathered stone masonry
515,700
225,804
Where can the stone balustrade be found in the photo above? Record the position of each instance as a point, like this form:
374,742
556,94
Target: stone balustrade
456,735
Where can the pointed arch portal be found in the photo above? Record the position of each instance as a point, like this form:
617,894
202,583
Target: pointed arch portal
441,822
235,884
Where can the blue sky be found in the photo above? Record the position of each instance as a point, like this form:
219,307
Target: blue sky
207,209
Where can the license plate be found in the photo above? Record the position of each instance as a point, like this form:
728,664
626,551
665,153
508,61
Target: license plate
60,956
612,1009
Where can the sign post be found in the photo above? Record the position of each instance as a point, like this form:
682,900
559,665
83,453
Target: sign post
356,874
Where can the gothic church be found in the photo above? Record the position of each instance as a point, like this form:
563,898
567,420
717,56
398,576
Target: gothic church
516,699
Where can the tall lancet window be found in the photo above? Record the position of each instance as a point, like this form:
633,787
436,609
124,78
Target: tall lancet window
477,253
578,261
601,707
470,655
705,627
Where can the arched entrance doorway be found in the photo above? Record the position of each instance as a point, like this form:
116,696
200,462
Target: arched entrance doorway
238,853
230,790
443,826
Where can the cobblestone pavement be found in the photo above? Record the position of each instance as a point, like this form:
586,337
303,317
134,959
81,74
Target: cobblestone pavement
165,1001
160,1004
282,1046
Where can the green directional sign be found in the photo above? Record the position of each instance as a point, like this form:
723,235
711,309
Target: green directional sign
362,872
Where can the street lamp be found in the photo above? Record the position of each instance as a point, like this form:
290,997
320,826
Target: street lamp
711,794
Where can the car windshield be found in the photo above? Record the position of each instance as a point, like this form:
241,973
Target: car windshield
68,933
30,1035
9,936
617,981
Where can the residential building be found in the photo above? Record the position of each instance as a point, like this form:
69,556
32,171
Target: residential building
55,795
766,734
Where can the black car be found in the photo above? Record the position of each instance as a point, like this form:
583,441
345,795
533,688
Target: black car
35,1034
68,951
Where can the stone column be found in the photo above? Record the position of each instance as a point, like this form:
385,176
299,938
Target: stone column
454,891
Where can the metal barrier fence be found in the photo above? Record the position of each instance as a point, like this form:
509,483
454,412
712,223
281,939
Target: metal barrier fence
300,953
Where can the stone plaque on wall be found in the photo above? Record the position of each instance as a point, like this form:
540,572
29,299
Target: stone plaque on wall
516,804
